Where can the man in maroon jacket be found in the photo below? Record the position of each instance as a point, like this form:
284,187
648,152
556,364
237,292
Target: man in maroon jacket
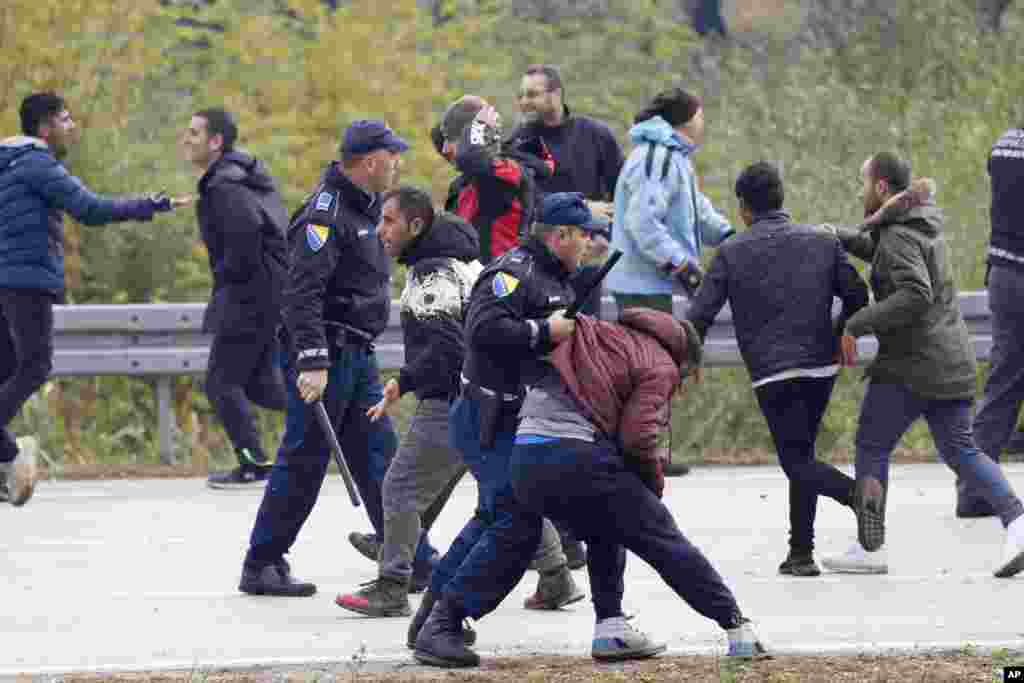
597,420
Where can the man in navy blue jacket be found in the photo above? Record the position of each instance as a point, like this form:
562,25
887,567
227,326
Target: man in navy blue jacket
35,190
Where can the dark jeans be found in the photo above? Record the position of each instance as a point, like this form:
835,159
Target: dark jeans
1004,392
886,415
793,409
242,369
26,355
353,386
492,552
607,506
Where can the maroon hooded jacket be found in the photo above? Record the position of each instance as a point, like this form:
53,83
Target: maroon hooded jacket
623,376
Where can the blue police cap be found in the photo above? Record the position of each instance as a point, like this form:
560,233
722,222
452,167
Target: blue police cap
566,208
369,135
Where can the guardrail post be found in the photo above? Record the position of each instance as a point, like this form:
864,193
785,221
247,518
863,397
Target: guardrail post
165,415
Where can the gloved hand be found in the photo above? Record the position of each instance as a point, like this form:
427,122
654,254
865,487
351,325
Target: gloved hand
162,203
689,275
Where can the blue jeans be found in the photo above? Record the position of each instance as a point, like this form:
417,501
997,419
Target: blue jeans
886,415
1004,392
353,386
588,486
492,552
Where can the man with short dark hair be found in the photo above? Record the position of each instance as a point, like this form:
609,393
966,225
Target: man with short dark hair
779,280
35,191
336,303
925,366
440,252
242,222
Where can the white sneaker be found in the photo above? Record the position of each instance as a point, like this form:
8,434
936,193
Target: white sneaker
21,480
1013,550
856,560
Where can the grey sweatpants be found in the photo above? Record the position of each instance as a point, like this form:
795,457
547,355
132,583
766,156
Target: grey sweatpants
424,464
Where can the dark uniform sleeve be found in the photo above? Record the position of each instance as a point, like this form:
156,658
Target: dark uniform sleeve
496,319
314,251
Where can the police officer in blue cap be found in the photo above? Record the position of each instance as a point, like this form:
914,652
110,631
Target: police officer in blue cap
515,317
336,303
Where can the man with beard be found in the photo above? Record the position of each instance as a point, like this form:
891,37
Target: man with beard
242,222
440,253
925,366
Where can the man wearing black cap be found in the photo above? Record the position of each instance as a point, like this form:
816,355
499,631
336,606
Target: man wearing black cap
514,319
336,303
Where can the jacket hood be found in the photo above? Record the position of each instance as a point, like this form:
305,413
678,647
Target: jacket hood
448,237
238,167
657,131
14,147
927,219
679,338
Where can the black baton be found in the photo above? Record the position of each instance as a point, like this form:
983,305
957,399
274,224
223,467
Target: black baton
339,457
574,310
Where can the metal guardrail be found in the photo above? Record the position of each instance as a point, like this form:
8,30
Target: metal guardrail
162,341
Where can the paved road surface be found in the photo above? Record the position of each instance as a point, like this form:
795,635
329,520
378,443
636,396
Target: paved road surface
134,575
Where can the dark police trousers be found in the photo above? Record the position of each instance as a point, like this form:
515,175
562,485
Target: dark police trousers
26,355
244,368
494,549
353,386
608,507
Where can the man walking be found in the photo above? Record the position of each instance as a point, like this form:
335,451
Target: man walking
779,279
336,303
35,191
242,222
925,367
440,251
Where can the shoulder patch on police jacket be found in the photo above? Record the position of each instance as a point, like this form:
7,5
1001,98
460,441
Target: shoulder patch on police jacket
504,284
316,236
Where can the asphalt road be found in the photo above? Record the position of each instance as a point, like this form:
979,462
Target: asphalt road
136,575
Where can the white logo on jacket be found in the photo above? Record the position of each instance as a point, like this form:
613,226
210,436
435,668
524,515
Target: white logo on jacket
442,293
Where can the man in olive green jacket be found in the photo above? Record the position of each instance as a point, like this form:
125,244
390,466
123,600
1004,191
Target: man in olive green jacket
925,365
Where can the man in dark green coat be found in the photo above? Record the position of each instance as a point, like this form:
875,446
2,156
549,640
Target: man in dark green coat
925,366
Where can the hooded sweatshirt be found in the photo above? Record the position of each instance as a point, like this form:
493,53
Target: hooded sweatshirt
242,220
923,342
35,190
442,270
661,218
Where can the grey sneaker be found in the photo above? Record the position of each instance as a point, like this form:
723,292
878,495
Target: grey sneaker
242,477
18,477
555,590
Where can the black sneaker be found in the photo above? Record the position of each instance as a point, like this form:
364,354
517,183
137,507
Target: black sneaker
869,505
242,477
274,579
368,545
799,564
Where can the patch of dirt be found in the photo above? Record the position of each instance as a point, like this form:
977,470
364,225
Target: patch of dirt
968,668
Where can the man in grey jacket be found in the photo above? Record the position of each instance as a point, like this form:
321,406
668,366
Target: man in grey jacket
925,367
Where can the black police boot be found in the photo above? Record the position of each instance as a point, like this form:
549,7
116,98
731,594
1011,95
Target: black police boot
799,563
969,504
274,579
426,605
441,642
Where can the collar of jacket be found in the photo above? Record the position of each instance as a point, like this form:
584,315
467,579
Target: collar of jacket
546,258
352,195
24,141
231,165
771,220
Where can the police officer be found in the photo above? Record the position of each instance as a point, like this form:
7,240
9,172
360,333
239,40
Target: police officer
515,318
335,305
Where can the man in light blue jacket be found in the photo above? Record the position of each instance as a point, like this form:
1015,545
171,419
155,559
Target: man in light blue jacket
662,221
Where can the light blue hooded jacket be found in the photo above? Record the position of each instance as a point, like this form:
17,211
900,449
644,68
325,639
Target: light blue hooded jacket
660,218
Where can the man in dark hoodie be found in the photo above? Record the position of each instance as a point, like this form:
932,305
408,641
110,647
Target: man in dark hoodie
925,367
35,191
242,222
440,252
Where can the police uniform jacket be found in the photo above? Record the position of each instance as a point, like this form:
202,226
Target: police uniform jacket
338,273
507,332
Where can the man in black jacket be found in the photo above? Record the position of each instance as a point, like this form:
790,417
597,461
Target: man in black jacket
242,222
440,251
779,279
35,192
336,303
